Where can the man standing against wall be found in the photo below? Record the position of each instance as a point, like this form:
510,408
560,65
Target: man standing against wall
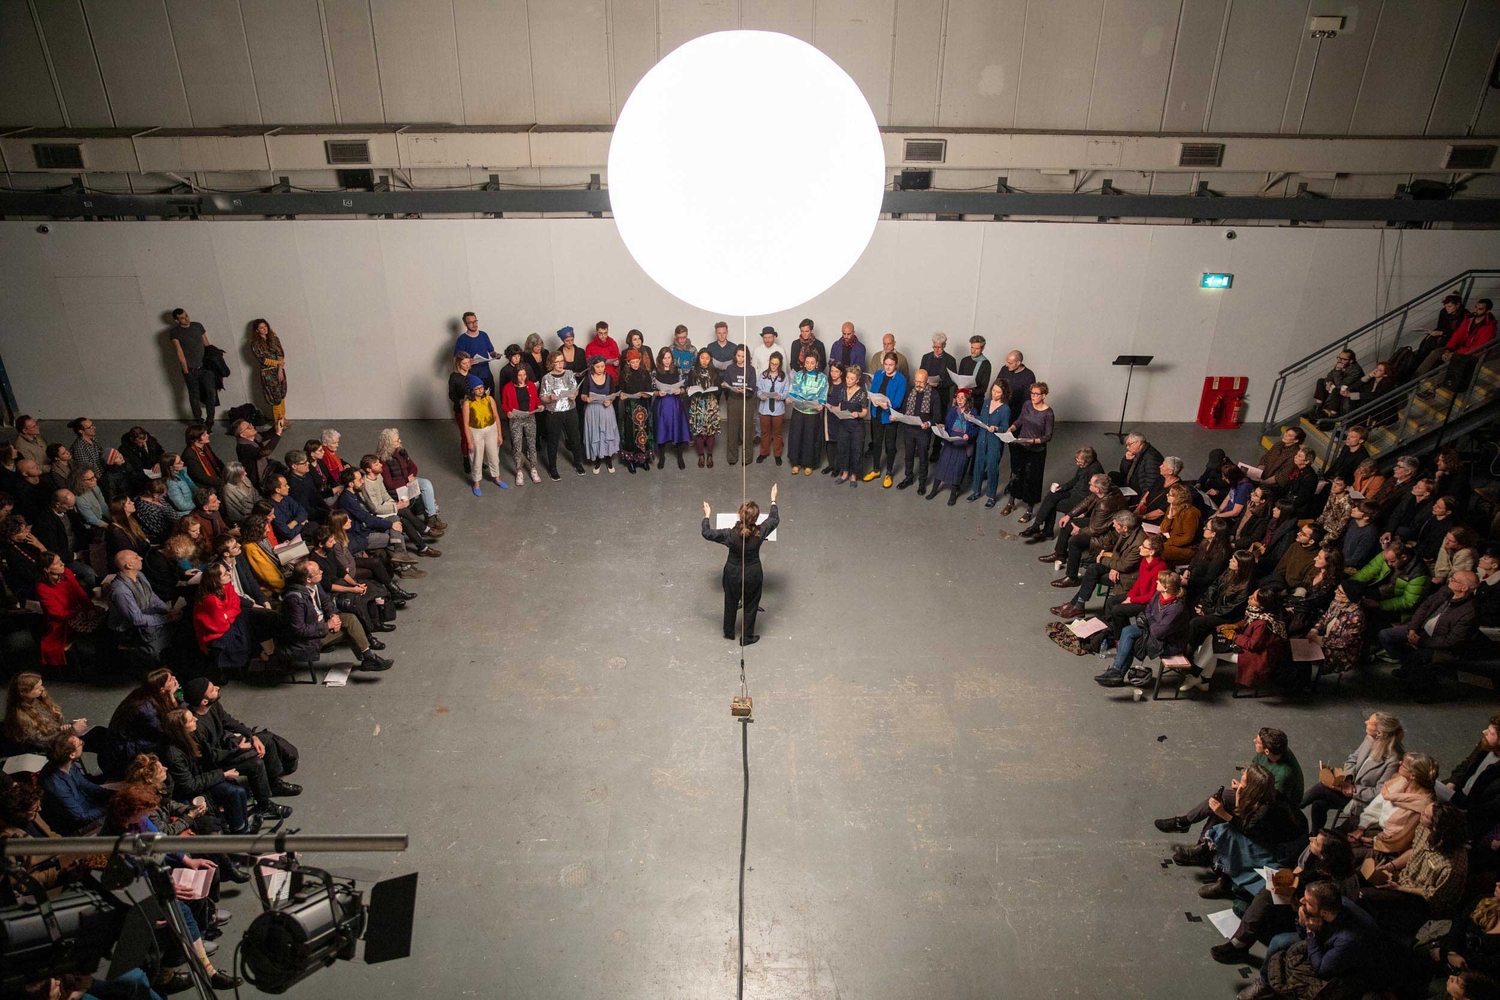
190,339
476,344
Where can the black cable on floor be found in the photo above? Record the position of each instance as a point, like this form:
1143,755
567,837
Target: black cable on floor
744,831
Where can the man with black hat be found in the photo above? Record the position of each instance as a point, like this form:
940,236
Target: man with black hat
261,756
760,354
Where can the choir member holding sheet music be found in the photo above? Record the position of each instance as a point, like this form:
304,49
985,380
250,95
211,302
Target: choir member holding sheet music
560,398
830,422
958,445
575,360
739,393
670,408
1028,452
772,389
977,367
637,439
703,381
887,394
809,392
601,434
743,576
850,429
992,418
917,416
940,367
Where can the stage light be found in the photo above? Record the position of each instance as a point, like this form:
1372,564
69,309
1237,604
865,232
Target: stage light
746,172
79,930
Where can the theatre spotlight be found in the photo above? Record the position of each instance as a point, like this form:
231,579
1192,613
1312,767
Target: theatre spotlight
323,923
72,933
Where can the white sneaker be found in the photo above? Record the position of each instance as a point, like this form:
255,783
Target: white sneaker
520,479
1192,683
534,477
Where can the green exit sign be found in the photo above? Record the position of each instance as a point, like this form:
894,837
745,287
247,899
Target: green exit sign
1213,279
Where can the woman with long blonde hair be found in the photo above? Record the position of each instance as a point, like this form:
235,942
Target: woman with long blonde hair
32,718
743,577
1373,763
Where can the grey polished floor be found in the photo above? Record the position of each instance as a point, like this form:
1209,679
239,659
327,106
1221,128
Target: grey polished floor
942,804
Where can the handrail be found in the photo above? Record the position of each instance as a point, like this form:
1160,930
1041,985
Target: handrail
1464,280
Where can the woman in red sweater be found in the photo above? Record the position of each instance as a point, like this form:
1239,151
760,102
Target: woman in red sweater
1143,589
221,633
67,607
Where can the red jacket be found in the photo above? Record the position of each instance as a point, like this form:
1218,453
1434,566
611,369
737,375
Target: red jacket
510,400
399,468
606,348
1261,651
333,464
213,615
60,602
1144,587
1468,338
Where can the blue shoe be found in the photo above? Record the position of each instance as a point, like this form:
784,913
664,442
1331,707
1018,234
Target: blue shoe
501,483
477,491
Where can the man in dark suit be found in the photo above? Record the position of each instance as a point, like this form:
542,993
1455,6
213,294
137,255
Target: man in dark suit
1140,467
62,530
1476,779
1442,623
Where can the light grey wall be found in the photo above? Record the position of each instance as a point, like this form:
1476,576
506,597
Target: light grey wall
368,309
1406,67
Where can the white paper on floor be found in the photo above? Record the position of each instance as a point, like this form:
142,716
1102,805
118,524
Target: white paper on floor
336,677
1225,922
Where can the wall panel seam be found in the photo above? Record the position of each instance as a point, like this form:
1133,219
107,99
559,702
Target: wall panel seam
177,61
41,37
98,66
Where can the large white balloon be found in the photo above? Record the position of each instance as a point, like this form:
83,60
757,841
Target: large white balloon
746,172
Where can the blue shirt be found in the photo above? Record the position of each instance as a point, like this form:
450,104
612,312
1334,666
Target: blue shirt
776,385
474,345
893,387
72,802
283,513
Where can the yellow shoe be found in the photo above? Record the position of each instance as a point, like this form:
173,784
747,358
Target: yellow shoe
886,482
795,470
871,475
807,471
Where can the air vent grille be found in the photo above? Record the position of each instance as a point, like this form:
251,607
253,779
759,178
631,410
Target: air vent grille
342,151
1469,157
1201,154
57,155
925,151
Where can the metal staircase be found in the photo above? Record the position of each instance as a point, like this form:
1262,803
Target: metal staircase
1418,416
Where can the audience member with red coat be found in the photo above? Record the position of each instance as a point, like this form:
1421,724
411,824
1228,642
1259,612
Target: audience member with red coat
222,635
1262,643
67,607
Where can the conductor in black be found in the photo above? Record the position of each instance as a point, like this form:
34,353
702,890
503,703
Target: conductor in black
742,572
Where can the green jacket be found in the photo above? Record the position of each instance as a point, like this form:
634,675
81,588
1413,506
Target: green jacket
1374,571
1407,591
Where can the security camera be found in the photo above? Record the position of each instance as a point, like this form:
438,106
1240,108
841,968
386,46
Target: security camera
1230,234
44,230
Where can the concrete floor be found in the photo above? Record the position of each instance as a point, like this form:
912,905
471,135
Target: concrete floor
943,804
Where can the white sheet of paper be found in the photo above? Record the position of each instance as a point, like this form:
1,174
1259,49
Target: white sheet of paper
942,431
721,365
962,381
698,390
663,387
25,763
905,418
409,491
1150,529
1305,651
337,677
152,475
1322,485
195,880
1356,495
1492,634
1252,473
841,413
1126,491
880,399
1225,922
1085,627
730,520
1007,437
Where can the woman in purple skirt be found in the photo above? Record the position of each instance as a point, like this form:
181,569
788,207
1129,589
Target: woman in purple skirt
671,409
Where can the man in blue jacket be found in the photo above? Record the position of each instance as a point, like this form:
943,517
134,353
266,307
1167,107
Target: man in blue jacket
890,383
74,804
1334,940
288,516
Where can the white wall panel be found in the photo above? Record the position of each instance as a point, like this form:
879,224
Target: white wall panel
285,38
1260,51
494,61
1135,59
982,63
363,304
790,17
418,55
1468,67
1194,58
918,61
356,73
1057,63
27,95
134,45
215,61
570,62
856,34
683,20
1406,62
67,37
632,46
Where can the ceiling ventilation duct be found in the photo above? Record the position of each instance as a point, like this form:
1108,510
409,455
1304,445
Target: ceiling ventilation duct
925,151
345,151
1200,154
1469,157
57,155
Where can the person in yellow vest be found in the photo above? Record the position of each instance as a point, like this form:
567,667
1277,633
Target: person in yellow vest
481,421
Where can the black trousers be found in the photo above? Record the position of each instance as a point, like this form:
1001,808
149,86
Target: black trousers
1265,918
1046,515
916,450
1071,549
734,589
1319,800
561,428
804,438
253,769
851,446
883,443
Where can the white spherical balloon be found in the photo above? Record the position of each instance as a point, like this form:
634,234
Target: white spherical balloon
746,172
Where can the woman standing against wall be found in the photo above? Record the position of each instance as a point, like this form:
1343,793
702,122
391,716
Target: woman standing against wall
266,347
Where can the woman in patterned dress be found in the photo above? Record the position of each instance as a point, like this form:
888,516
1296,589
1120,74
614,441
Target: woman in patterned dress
266,347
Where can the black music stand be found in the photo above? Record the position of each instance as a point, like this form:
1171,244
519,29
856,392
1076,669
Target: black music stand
1134,361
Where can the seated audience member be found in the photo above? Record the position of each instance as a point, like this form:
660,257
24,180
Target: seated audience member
1210,559
1084,529
1280,535
1475,782
32,719
142,455
1403,516
1396,489
1301,486
1487,594
204,467
1381,381
1458,554
1140,467
231,741
314,625
1262,650
21,555
1295,567
378,501
1467,984
303,486
1349,453
69,611
1368,481
258,552
29,442
366,531
1361,541
88,498
1366,770
87,454
240,497
57,473
195,772
289,516
329,453
1233,490
1429,529
74,802
206,511
180,485
1394,584
1065,495
1334,952
1115,565
1120,608
63,532
1305,605
1328,397
328,485
399,469
254,450
1441,624
1389,824
1340,632
1274,753
1255,517
1276,464
223,634
154,512
123,532
367,602
1327,859
1221,604
1262,829
1476,330
1473,946
21,818
139,723
1179,524
1452,479
371,564
230,554
138,619
174,568
1161,630
1426,881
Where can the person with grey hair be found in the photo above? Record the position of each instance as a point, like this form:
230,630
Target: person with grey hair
1065,495
1139,467
240,496
254,450
1440,626
1116,564
1083,526
939,366
1152,504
